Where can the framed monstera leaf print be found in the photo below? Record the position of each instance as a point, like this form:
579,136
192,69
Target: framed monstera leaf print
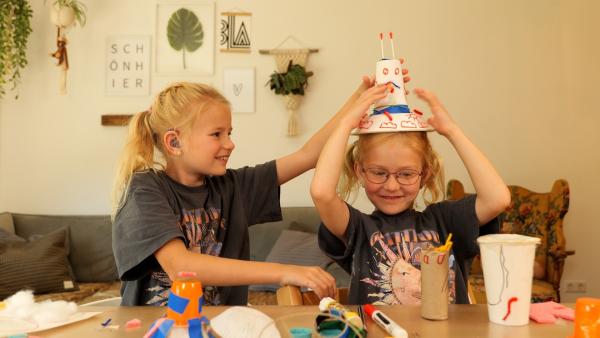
185,38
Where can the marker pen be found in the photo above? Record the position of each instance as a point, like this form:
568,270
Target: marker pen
385,322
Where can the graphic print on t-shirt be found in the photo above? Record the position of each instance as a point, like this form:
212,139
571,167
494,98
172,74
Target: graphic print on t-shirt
395,270
201,228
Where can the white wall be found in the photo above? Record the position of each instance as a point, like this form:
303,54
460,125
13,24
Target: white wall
517,75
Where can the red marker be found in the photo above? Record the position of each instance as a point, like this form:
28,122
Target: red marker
385,322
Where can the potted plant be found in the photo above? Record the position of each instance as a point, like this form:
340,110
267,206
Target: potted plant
15,16
291,85
291,82
64,13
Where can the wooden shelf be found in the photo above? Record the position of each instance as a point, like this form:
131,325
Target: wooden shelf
116,120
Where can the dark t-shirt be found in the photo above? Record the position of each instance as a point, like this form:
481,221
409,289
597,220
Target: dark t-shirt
383,252
212,219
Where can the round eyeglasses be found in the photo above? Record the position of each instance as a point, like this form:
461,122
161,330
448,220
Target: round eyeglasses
403,177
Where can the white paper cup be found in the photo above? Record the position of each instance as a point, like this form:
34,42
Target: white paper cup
507,261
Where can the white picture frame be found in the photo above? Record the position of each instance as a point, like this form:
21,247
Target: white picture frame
169,60
239,89
128,65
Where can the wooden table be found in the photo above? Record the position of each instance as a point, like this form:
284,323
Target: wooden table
464,321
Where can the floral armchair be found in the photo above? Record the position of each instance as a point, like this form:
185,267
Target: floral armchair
532,214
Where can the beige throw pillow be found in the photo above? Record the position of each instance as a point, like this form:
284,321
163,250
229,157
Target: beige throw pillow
6,222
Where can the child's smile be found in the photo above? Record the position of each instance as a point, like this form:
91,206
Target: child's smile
390,197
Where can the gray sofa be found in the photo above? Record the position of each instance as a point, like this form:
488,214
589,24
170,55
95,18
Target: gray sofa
92,260
89,247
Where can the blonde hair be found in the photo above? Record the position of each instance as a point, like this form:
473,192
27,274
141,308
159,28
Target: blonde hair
176,107
433,186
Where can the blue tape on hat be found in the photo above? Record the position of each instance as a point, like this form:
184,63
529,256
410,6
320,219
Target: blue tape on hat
194,328
164,329
398,109
176,303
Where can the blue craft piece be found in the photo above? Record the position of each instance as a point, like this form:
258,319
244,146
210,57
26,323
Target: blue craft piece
200,303
398,109
301,332
176,303
195,328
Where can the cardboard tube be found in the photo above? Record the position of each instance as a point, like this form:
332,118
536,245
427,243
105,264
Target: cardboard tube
434,284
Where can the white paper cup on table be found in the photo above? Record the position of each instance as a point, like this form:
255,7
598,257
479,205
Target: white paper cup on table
507,261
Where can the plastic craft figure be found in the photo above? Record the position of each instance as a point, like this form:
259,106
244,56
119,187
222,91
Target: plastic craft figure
184,312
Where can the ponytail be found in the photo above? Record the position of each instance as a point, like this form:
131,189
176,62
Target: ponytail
138,155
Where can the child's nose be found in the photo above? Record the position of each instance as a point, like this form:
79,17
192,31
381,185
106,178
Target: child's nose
229,144
391,184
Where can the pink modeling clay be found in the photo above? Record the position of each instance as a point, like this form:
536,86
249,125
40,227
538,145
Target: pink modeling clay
547,312
133,324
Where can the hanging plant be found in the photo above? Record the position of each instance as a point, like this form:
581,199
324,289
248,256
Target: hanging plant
15,16
66,12
293,81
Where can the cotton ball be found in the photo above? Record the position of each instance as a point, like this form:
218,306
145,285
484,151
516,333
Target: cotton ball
20,305
53,312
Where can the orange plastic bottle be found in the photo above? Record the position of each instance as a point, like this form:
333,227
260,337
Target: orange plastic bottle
587,318
187,288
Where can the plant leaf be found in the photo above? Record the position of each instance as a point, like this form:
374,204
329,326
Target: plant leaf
184,31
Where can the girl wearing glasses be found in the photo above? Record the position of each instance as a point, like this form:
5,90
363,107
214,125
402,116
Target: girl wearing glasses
382,250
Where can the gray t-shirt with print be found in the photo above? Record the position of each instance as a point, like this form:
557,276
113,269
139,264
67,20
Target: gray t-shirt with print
212,219
383,252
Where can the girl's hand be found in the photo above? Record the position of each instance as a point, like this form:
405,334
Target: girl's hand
313,277
441,120
359,108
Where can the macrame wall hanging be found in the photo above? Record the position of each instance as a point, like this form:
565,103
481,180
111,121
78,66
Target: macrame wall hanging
290,79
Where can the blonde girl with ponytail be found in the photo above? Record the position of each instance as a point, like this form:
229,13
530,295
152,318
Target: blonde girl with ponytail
178,207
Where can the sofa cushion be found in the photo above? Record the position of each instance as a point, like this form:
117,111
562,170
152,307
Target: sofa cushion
6,237
90,242
40,265
6,222
297,248
264,236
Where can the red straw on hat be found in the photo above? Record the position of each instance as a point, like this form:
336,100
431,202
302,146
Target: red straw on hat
392,43
381,45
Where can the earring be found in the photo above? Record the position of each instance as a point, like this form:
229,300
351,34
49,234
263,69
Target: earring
175,143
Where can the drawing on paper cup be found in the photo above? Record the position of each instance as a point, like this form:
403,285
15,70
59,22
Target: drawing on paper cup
507,261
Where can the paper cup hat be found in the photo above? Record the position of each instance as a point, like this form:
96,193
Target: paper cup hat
391,114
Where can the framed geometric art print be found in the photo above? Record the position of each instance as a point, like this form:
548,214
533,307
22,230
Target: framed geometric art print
236,29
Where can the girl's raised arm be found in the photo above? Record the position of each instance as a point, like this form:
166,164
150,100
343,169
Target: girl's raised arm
292,165
298,162
332,209
493,195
